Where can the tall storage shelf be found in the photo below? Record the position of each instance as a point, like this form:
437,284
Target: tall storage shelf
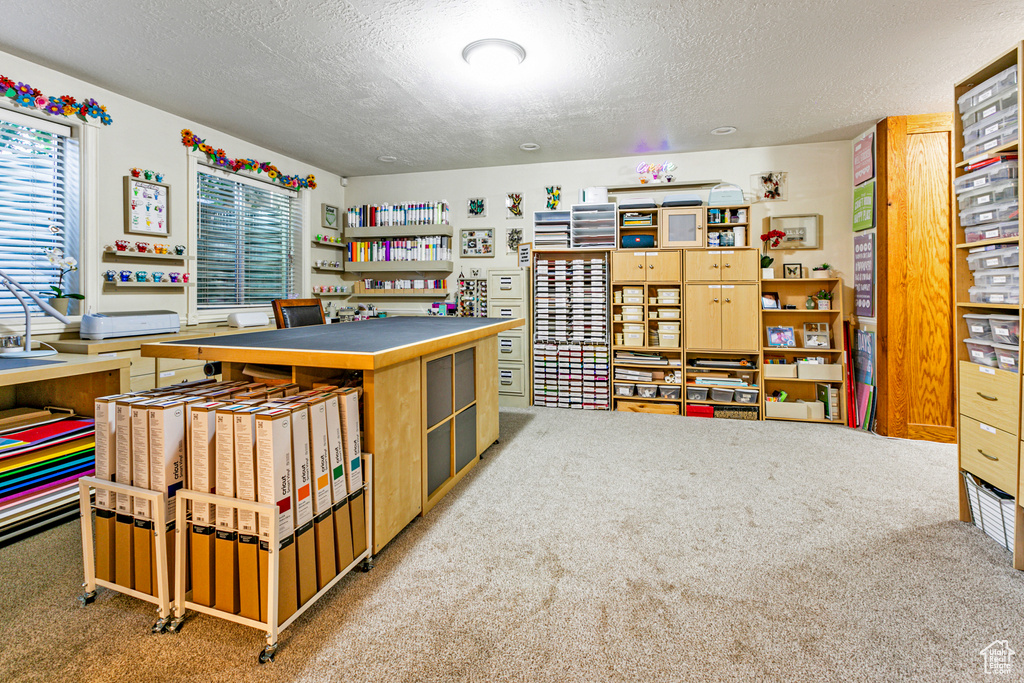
988,296
593,226
801,381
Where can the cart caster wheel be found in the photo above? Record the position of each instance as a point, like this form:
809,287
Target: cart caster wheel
160,626
175,624
87,598
367,565
267,654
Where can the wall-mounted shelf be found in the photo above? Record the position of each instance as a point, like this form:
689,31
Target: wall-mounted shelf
384,232
179,285
654,187
328,295
334,245
437,294
400,267
330,269
134,255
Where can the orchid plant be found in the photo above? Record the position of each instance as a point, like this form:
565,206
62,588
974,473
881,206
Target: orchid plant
773,238
65,264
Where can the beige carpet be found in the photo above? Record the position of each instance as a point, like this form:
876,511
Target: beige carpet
601,547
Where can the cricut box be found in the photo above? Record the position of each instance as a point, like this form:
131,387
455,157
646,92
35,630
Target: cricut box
244,421
339,486
124,563
104,410
323,507
348,404
142,511
167,467
302,476
274,485
202,469
226,591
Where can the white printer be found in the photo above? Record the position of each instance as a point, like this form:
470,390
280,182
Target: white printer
128,324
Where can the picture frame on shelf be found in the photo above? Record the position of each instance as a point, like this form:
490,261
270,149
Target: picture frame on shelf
792,271
476,243
816,336
781,336
770,301
147,207
329,217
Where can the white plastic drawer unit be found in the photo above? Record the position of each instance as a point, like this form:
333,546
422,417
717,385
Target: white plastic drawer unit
510,311
505,285
510,347
511,380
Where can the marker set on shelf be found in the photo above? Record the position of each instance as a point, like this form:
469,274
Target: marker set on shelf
380,215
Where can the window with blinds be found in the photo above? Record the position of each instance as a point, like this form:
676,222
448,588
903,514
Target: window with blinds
39,204
248,241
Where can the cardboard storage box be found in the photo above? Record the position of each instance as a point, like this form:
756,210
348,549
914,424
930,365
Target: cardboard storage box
779,371
788,409
832,372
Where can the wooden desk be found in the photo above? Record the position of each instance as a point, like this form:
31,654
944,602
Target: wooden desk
74,383
415,371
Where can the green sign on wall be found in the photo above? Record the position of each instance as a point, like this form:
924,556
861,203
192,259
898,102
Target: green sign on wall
864,206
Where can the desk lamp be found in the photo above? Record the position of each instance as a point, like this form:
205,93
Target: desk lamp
26,352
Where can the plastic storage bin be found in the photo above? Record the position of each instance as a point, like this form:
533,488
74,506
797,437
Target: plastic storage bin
998,277
624,389
990,231
1003,329
696,393
994,295
670,392
1001,170
979,326
1007,356
745,395
647,390
989,213
981,352
990,89
989,108
993,193
991,124
668,313
721,395
1001,257
1005,134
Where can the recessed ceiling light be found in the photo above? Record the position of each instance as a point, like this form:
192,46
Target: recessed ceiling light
493,53
387,158
724,130
529,146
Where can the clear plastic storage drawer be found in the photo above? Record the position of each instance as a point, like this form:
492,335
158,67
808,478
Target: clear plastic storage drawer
981,352
991,231
1000,170
1005,133
979,326
990,125
993,88
993,193
1003,329
997,277
992,213
1001,257
994,295
989,108
1007,356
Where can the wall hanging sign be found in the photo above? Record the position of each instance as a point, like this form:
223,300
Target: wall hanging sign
864,274
770,186
329,216
147,207
476,207
219,158
524,254
864,159
864,356
864,206
514,205
477,243
24,95
554,196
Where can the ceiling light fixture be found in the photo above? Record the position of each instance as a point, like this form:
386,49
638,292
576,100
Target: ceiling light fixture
387,158
724,130
493,53
529,146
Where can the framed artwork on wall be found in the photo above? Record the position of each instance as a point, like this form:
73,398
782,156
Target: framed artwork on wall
329,216
147,207
477,243
476,207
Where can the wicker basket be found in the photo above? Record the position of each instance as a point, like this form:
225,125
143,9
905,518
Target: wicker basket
992,510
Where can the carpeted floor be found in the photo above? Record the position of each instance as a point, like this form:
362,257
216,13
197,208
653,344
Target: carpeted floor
601,547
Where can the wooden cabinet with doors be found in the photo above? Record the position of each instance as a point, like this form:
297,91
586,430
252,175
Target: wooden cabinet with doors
722,264
646,266
722,317
681,228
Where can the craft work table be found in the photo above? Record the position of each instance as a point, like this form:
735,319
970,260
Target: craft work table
424,381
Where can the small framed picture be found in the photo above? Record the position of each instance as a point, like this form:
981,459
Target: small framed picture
792,271
147,207
781,337
477,243
816,336
769,300
329,216
476,207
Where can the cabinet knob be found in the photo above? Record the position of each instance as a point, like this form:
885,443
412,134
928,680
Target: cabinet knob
715,300
714,265
728,265
640,265
728,301
988,456
650,265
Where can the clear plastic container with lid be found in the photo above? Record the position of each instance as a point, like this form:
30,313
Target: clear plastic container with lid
995,295
981,352
979,326
1004,329
991,88
993,193
721,395
1005,133
1007,356
992,213
991,231
986,109
745,395
1000,170
990,125
998,277
1000,257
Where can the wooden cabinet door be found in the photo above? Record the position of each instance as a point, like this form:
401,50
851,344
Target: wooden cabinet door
663,266
703,316
742,264
740,308
629,265
703,265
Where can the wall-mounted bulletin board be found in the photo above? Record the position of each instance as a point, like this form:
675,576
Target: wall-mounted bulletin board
147,207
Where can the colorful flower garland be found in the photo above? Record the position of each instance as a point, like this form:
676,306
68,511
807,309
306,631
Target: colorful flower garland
25,95
219,157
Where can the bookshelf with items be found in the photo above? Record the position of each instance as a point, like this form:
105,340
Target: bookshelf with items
986,268
413,238
803,352
727,226
638,226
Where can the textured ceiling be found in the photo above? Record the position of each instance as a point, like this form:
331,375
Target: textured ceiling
338,84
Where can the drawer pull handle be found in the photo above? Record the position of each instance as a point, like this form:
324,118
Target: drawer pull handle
506,383
994,459
986,396
506,350
505,287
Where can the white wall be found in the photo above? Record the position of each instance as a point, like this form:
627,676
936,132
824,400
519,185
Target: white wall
145,137
819,180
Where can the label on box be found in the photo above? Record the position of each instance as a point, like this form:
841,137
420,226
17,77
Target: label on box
988,112
996,298
984,199
989,145
986,428
992,234
991,129
979,329
999,279
979,182
987,371
984,96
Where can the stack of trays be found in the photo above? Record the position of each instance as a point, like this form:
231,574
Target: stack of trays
989,113
994,340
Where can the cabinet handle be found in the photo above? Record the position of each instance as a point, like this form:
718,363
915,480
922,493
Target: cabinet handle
988,456
651,265
986,396
728,265
506,350
728,301
715,300
714,265
640,266
506,382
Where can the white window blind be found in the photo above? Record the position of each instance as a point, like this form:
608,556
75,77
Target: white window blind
248,241
39,200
